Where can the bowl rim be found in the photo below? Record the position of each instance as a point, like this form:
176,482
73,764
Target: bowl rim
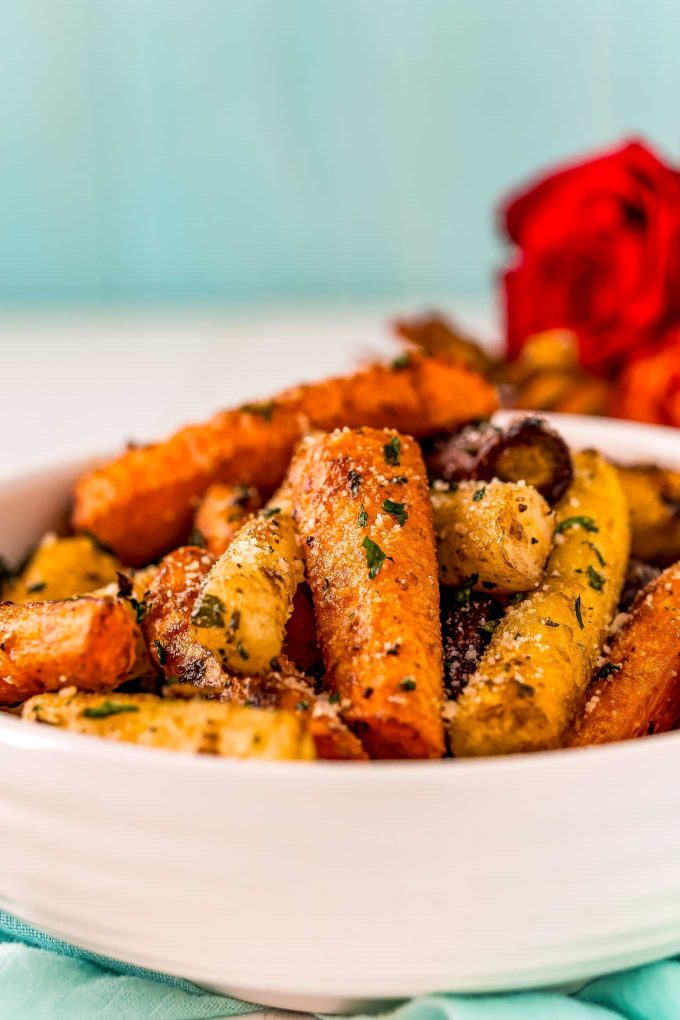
15,733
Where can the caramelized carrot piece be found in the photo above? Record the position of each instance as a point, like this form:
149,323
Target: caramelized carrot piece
167,625
638,688
220,514
86,642
363,509
141,503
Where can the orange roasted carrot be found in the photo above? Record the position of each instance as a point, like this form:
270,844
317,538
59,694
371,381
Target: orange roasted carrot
87,642
221,513
141,504
167,628
638,688
363,509
302,645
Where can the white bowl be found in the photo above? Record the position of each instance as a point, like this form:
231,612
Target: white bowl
330,886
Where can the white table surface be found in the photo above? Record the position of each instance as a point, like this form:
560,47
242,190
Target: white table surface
81,383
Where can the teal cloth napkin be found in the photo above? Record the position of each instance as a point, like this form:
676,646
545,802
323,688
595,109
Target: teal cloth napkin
42,978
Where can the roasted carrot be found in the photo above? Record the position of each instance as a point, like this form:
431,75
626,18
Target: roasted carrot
88,642
167,624
302,645
221,513
637,689
363,510
141,504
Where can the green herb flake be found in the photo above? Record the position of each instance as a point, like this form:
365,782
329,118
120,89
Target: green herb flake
362,517
334,698
550,623
392,451
396,510
607,670
235,620
399,480
407,684
460,596
600,558
265,411
515,599
595,580
403,361
161,652
209,612
270,511
478,494
587,523
375,557
33,589
353,481
302,706
489,626
107,708
242,651
577,610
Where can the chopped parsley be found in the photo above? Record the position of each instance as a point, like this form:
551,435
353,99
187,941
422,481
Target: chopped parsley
461,595
375,557
265,411
600,558
161,652
516,598
392,450
235,620
38,586
403,361
587,523
302,706
362,517
399,480
353,481
333,698
209,612
270,511
595,580
577,610
607,670
489,626
242,651
478,494
407,684
396,510
125,592
107,708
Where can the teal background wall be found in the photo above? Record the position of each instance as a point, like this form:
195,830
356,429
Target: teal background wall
237,150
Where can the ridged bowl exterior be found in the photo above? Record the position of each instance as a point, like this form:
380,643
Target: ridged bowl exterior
328,886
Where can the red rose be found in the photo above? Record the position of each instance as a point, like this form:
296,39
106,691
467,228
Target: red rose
599,253
649,387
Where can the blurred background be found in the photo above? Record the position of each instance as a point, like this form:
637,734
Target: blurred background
215,158
165,151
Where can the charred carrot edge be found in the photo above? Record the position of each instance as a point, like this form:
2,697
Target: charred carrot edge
363,509
167,624
141,504
287,690
88,642
638,689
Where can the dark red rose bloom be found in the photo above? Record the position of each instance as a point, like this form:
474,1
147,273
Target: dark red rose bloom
648,389
599,253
